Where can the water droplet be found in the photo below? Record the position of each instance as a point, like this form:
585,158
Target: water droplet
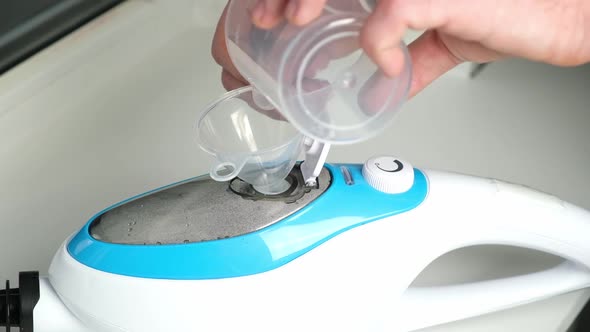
128,234
130,229
185,241
187,225
348,81
128,224
135,223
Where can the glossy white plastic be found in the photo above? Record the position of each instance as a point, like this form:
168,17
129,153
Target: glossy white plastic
359,280
389,174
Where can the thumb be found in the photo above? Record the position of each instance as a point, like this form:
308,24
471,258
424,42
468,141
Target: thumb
430,59
385,27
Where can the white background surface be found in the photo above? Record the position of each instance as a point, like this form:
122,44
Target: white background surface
108,113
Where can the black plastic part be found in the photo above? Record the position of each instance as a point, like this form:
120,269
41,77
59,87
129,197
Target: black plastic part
30,26
5,308
9,307
29,296
17,304
295,192
582,322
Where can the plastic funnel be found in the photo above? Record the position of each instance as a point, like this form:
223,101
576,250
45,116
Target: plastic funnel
250,142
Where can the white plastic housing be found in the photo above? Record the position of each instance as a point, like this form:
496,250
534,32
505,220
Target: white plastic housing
357,281
389,174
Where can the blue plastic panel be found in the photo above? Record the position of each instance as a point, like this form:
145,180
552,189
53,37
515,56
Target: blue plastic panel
339,209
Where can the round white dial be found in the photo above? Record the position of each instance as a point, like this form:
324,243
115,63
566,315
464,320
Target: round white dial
389,174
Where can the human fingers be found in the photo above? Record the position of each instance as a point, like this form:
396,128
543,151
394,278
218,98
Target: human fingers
463,19
382,33
301,12
230,75
230,82
430,58
551,31
268,13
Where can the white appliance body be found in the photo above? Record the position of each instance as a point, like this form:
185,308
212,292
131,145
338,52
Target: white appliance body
356,281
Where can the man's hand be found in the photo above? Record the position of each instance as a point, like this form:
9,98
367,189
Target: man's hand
230,76
552,31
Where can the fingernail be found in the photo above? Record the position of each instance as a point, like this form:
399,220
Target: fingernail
291,10
258,12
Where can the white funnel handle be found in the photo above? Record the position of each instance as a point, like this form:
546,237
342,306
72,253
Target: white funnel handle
464,211
316,153
226,171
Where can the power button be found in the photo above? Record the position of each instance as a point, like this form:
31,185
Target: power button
389,174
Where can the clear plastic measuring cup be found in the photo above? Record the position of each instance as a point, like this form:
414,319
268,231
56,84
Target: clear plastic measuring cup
255,144
317,75
312,81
